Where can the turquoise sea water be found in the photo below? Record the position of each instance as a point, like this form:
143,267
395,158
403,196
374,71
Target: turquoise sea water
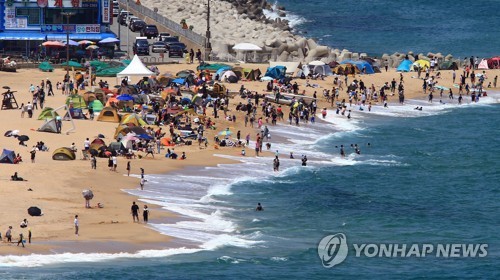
462,28
428,177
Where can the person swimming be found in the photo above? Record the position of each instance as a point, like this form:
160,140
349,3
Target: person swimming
259,207
342,152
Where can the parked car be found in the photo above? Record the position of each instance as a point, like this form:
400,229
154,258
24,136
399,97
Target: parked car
122,17
137,25
182,45
149,31
130,19
141,46
175,51
171,39
163,35
159,47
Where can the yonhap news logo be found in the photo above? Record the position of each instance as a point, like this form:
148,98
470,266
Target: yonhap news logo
333,250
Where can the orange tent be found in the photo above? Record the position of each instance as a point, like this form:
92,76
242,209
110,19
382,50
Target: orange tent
167,142
112,100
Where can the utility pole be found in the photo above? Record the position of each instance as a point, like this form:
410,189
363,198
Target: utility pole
67,15
208,45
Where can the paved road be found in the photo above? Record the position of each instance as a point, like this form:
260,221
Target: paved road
152,57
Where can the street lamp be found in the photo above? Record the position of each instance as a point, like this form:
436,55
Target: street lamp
208,45
67,15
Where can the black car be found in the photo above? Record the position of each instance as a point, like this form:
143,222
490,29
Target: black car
182,45
122,17
137,25
170,39
175,51
141,46
150,31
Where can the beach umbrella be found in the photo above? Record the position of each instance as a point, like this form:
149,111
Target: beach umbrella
88,194
34,211
125,97
246,47
53,44
23,138
92,47
316,63
226,132
8,133
72,43
108,40
85,42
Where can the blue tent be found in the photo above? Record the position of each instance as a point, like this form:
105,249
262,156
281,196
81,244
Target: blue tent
360,65
404,66
7,156
180,81
276,72
222,70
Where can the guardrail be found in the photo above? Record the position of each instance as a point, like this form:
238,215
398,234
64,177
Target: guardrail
174,26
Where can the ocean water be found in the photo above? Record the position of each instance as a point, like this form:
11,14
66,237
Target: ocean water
427,177
462,28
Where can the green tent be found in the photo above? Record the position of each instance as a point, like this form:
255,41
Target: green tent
126,62
47,114
72,64
448,65
77,101
46,67
109,72
96,105
212,67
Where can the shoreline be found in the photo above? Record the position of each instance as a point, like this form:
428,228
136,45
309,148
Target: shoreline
61,198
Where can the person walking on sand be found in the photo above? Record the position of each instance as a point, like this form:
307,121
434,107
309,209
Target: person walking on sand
93,162
8,234
77,225
142,173
20,241
33,154
135,212
115,162
128,168
145,214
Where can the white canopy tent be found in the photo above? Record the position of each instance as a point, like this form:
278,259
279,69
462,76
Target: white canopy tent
246,47
135,68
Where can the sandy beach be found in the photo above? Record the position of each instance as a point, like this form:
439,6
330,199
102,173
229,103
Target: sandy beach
57,185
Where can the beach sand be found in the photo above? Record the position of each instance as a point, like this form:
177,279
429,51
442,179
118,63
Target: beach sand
57,185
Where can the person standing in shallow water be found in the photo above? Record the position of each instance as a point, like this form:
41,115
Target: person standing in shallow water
145,214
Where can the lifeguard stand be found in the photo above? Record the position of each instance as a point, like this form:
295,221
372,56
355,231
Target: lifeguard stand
9,100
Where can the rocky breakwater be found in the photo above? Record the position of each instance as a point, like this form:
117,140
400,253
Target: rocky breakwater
244,21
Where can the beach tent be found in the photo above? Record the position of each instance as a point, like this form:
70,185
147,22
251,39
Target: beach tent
361,64
252,75
76,113
49,126
448,65
122,130
63,153
424,64
76,101
116,146
167,141
238,71
211,67
221,70
483,65
494,63
46,67
228,74
96,105
109,114
324,70
47,114
98,141
7,156
291,67
133,119
135,68
404,66
276,72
